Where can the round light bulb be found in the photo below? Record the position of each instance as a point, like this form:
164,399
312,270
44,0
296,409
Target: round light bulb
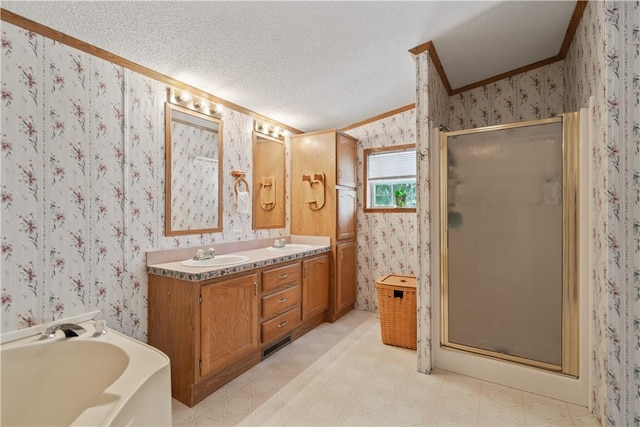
184,96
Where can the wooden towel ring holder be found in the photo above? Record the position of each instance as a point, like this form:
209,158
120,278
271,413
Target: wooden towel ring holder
315,198
239,176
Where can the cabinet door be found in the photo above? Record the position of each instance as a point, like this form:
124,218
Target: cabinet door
346,213
312,154
346,287
315,286
228,321
346,154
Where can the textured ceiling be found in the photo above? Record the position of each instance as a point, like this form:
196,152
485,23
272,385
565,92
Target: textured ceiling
317,64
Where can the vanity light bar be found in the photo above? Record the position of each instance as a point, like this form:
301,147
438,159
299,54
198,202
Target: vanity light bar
269,130
185,99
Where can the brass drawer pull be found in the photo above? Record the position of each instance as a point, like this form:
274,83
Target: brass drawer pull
283,299
284,276
285,323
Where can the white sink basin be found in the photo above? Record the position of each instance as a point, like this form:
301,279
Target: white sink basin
290,247
217,261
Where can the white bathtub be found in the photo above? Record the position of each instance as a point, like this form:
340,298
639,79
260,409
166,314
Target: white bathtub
84,381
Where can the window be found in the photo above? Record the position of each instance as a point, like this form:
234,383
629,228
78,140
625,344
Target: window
390,171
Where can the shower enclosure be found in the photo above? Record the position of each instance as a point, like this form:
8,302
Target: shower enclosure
508,202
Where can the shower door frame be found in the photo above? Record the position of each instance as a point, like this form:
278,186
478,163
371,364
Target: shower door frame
570,204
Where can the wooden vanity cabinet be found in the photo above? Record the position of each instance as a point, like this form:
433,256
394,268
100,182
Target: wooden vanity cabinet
332,154
216,329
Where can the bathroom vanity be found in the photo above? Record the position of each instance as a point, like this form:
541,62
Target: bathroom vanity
215,323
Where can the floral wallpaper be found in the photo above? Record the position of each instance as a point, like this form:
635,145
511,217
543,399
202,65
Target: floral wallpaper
603,62
389,243
83,184
194,172
585,65
432,106
82,175
536,94
386,242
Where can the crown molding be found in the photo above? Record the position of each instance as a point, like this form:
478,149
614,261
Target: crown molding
572,28
43,30
429,47
564,49
379,117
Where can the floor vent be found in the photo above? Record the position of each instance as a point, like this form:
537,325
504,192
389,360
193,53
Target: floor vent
275,347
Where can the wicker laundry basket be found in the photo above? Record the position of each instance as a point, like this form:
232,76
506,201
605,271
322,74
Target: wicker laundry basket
397,309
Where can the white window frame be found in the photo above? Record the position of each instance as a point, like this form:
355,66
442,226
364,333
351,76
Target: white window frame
393,178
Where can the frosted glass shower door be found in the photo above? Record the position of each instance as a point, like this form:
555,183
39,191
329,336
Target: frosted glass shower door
503,271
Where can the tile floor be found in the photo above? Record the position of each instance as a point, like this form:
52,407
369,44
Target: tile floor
342,375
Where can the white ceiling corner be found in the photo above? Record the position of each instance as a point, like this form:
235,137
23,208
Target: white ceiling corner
315,64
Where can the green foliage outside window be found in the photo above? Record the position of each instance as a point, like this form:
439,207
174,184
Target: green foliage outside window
384,194
391,177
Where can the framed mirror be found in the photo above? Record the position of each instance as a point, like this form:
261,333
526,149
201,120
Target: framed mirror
269,190
193,175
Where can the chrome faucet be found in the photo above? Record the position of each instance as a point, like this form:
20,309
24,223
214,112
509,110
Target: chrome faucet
69,329
208,254
279,243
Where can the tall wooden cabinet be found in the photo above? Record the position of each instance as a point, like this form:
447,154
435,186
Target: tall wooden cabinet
324,203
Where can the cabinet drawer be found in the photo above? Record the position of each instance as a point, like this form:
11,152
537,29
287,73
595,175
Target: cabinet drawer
277,277
280,325
280,301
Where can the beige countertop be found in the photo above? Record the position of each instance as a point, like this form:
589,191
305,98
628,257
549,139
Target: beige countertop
257,257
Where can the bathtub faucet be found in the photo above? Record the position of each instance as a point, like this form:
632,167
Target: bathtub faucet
69,329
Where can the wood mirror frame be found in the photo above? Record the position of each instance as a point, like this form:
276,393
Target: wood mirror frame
269,183
193,203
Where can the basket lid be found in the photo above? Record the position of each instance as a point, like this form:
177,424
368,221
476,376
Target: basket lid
397,280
